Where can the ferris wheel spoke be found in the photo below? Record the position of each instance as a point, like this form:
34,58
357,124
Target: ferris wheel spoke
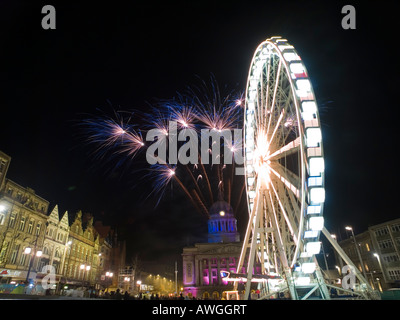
289,221
270,111
286,127
282,176
292,207
279,241
276,125
288,149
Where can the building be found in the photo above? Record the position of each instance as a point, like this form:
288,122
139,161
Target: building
55,245
23,218
33,243
4,164
82,260
376,254
106,272
203,262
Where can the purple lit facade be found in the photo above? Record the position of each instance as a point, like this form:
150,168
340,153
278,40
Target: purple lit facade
203,262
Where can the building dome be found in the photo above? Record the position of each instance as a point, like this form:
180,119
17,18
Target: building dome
221,209
222,223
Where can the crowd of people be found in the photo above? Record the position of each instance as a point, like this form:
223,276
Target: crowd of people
118,295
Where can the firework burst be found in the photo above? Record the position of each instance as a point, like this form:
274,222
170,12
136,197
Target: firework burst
200,107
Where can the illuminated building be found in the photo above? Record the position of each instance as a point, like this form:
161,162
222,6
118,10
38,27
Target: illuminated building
203,262
79,254
379,250
22,228
55,245
83,258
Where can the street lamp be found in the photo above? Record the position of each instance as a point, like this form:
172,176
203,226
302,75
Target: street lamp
28,250
109,275
380,265
139,283
83,268
358,250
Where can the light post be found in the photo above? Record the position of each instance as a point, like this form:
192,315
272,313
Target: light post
126,283
357,249
83,268
139,283
380,265
109,275
176,277
33,254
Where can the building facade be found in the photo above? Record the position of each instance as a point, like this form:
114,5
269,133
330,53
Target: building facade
22,232
203,262
55,245
33,242
82,260
376,254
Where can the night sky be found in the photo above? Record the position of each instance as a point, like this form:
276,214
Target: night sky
112,56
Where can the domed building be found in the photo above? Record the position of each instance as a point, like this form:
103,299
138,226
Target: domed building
222,225
203,262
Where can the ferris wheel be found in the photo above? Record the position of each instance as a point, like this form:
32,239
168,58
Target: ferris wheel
284,170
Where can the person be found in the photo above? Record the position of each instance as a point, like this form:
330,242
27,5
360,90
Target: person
126,295
118,295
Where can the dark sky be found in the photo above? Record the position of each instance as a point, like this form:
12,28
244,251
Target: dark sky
128,55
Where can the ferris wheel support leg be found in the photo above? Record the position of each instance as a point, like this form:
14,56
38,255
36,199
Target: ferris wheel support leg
253,248
321,282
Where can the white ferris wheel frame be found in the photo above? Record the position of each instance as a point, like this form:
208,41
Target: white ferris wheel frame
264,224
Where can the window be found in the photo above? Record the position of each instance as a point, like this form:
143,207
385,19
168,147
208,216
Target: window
22,224
390,258
11,222
3,250
381,232
38,227
23,259
394,274
14,254
30,226
396,228
367,247
385,244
